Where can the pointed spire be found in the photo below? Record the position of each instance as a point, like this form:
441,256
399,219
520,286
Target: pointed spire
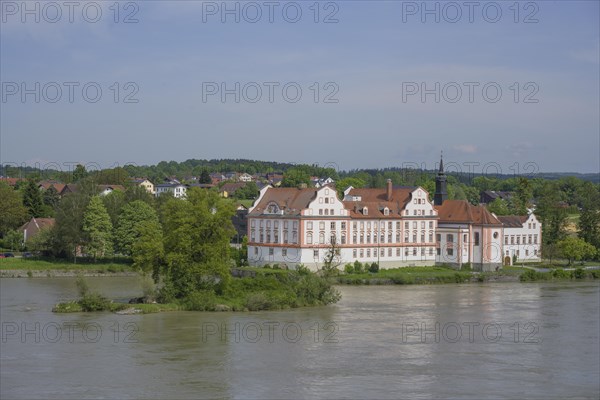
441,171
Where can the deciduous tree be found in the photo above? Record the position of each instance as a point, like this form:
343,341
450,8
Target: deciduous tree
98,229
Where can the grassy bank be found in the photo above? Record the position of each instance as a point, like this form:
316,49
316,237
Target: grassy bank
407,276
559,275
103,266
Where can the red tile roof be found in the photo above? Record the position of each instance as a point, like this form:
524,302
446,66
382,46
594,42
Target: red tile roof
376,200
513,221
291,200
463,211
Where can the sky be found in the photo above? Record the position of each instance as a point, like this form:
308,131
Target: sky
510,87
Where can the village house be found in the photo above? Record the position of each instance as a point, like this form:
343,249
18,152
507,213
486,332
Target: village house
34,226
177,190
145,183
522,238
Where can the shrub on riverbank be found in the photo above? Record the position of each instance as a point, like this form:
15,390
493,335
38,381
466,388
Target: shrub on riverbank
405,276
559,274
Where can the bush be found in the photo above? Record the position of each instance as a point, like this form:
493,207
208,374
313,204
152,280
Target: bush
579,273
95,302
303,270
374,268
358,267
349,268
257,302
201,300
561,274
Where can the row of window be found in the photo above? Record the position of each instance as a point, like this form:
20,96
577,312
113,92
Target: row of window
526,239
274,235
390,252
262,223
518,253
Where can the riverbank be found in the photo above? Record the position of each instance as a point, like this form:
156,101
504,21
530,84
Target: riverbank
44,268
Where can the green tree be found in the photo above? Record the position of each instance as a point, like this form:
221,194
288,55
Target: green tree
576,249
97,228
197,233
127,228
552,213
14,240
114,202
498,207
79,173
69,224
51,197
344,183
32,199
204,177
248,192
294,177
589,219
12,211
135,192
521,201
147,250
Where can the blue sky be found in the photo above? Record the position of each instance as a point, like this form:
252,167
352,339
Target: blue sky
371,61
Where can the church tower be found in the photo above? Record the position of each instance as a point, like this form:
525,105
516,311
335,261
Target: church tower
441,193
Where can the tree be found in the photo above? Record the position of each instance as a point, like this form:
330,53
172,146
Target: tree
14,240
129,220
147,250
197,233
589,219
98,229
204,177
576,249
498,207
69,224
552,213
136,192
332,258
522,198
247,192
51,198
113,202
295,177
79,173
12,211
344,183
32,199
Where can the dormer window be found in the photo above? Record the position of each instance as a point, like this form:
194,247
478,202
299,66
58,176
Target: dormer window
386,211
365,211
272,208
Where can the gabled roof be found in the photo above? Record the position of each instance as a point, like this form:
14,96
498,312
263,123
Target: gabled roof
11,181
290,200
231,187
461,211
48,184
69,188
513,221
376,200
112,187
34,225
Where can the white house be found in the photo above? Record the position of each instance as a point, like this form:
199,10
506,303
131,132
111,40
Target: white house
522,238
178,190
391,226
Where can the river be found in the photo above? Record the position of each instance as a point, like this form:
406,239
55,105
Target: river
472,341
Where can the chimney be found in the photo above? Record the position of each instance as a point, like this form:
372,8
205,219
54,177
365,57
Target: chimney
389,190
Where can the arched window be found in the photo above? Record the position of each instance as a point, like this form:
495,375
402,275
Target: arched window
365,211
322,238
309,238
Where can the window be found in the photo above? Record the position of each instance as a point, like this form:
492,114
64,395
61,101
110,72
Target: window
389,252
327,211
365,211
414,251
397,225
414,237
406,237
476,239
285,236
343,226
386,211
309,238
322,238
406,225
316,253
438,251
320,200
362,253
354,253
331,212
430,224
518,239
450,252
465,238
368,252
505,239
308,225
535,237
390,225
422,237
321,225
431,251
495,235
268,224
354,238
526,252
438,237
406,250
326,200
252,223
320,211
512,239
256,251
285,224
271,251
534,225
332,226
382,238
398,252
529,225
430,237
450,238
362,237
369,225
343,237
369,238
295,224
422,251
354,225
529,239
422,224
414,224
294,237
